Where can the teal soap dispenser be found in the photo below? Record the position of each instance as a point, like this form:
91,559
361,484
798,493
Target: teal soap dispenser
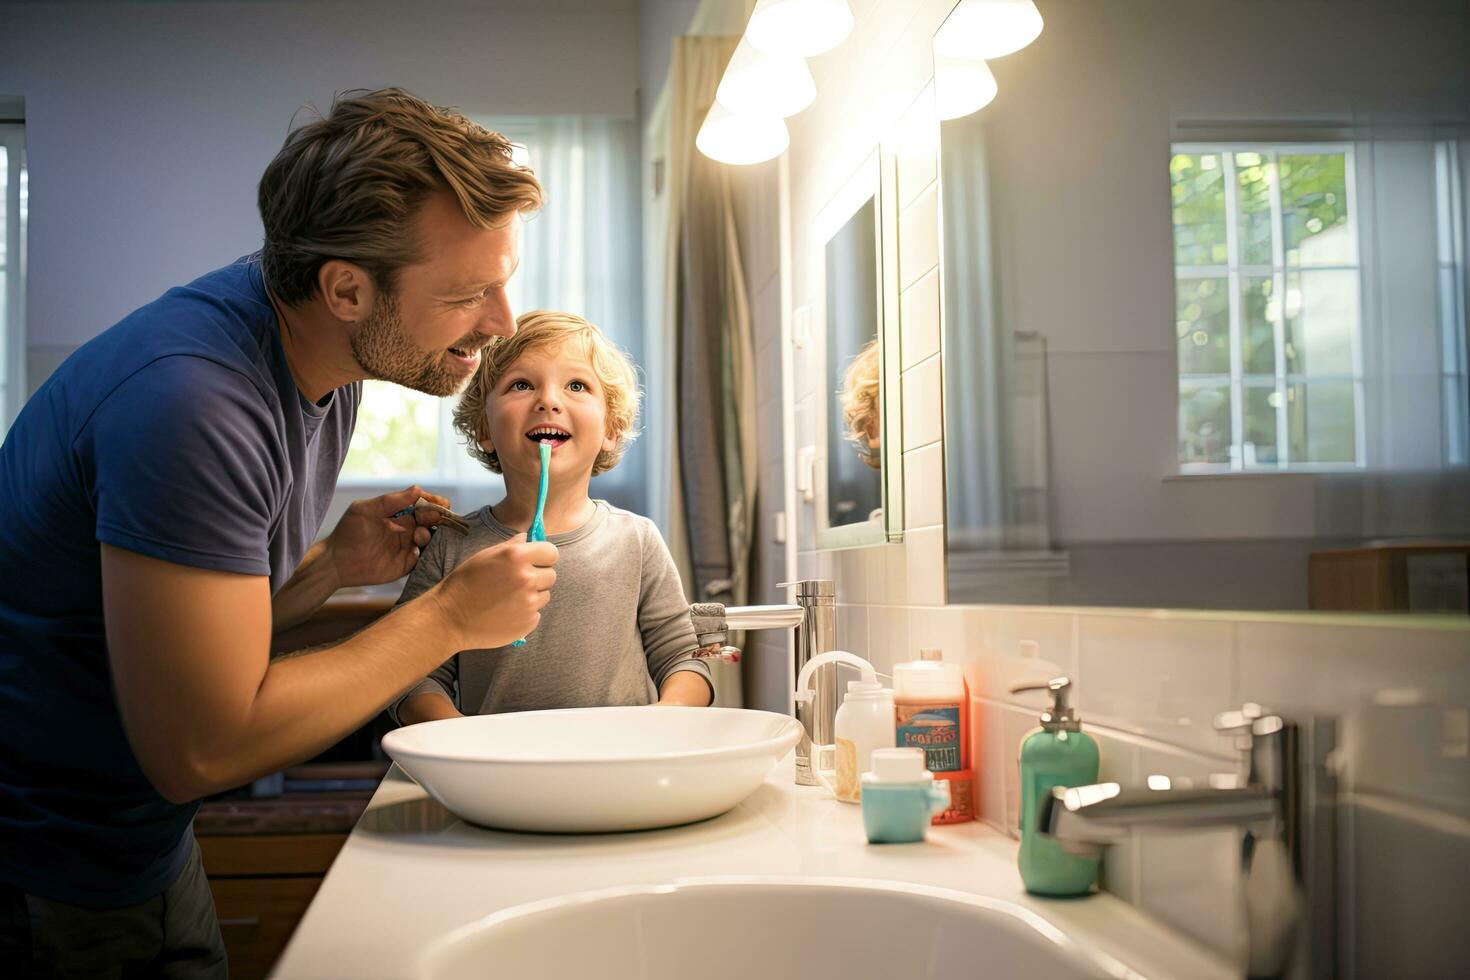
1058,753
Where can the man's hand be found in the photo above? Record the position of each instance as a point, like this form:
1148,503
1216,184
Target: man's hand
496,596
371,546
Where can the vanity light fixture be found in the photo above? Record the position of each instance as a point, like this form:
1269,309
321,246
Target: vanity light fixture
741,138
757,82
962,86
767,78
987,29
803,28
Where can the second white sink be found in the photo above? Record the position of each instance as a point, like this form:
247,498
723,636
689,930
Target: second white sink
738,928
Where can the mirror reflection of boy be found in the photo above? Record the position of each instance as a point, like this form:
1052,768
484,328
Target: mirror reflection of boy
617,630
860,405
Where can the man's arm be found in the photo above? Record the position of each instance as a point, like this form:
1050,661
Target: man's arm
204,707
313,584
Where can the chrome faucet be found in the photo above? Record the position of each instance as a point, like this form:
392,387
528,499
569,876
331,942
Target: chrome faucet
814,617
1286,848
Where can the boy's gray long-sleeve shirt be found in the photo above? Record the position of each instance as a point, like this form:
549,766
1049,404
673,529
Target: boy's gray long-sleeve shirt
616,627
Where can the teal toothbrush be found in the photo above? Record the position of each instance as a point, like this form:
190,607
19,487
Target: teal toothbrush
537,531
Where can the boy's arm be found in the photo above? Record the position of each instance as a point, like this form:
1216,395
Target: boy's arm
426,706
685,687
668,633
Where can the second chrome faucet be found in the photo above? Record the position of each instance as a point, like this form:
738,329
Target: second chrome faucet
814,618
1281,803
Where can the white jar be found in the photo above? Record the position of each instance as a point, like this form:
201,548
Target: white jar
863,723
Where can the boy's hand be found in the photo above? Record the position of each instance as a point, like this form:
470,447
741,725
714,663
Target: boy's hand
496,596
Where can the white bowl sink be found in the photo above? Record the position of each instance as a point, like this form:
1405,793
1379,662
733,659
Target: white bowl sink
594,770
736,929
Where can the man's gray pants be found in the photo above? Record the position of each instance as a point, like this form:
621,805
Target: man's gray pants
172,935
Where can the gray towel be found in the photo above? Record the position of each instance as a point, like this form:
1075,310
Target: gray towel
709,623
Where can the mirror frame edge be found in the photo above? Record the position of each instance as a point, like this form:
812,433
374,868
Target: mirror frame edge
890,345
882,163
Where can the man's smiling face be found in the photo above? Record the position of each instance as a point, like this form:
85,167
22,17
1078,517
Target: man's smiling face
427,333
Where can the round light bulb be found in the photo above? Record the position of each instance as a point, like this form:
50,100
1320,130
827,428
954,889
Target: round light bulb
759,83
799,27
987,29
741,139
962,87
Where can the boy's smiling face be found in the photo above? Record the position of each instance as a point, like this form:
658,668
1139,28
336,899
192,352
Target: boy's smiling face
548,393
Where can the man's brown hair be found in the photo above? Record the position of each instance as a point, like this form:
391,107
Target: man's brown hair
347,186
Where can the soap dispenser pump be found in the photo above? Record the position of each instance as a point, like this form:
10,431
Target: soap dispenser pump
1058,753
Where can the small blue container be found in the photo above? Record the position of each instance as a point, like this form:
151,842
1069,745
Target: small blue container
900,796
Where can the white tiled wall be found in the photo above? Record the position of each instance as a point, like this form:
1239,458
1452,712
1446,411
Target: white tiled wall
919,317
1147,682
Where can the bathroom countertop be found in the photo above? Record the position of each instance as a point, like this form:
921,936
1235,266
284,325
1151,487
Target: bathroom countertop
411,871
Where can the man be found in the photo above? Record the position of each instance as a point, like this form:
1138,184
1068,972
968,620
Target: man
163,490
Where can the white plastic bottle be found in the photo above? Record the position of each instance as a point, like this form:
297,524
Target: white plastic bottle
864,722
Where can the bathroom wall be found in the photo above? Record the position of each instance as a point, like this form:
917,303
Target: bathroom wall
148,124
1149,681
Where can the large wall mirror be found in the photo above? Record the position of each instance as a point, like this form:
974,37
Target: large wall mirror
859,482
1204,299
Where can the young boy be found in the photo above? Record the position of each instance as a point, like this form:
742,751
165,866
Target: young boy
617,630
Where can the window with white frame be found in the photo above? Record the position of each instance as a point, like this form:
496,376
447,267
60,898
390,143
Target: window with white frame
13,213
1320,305
1267,307
580,253
1451,282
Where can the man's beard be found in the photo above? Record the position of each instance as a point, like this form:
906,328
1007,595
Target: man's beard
384,350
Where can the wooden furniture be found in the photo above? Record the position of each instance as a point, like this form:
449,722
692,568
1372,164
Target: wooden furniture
265,859
1421,576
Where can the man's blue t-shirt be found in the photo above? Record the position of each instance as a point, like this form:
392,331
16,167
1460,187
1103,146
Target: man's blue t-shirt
179,434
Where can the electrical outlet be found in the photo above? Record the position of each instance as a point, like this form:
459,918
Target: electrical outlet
806,473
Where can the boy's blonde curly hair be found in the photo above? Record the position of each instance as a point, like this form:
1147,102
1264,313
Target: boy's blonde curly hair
860,408
541,330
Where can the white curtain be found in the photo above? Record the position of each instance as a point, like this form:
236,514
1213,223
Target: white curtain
706,322
582,252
